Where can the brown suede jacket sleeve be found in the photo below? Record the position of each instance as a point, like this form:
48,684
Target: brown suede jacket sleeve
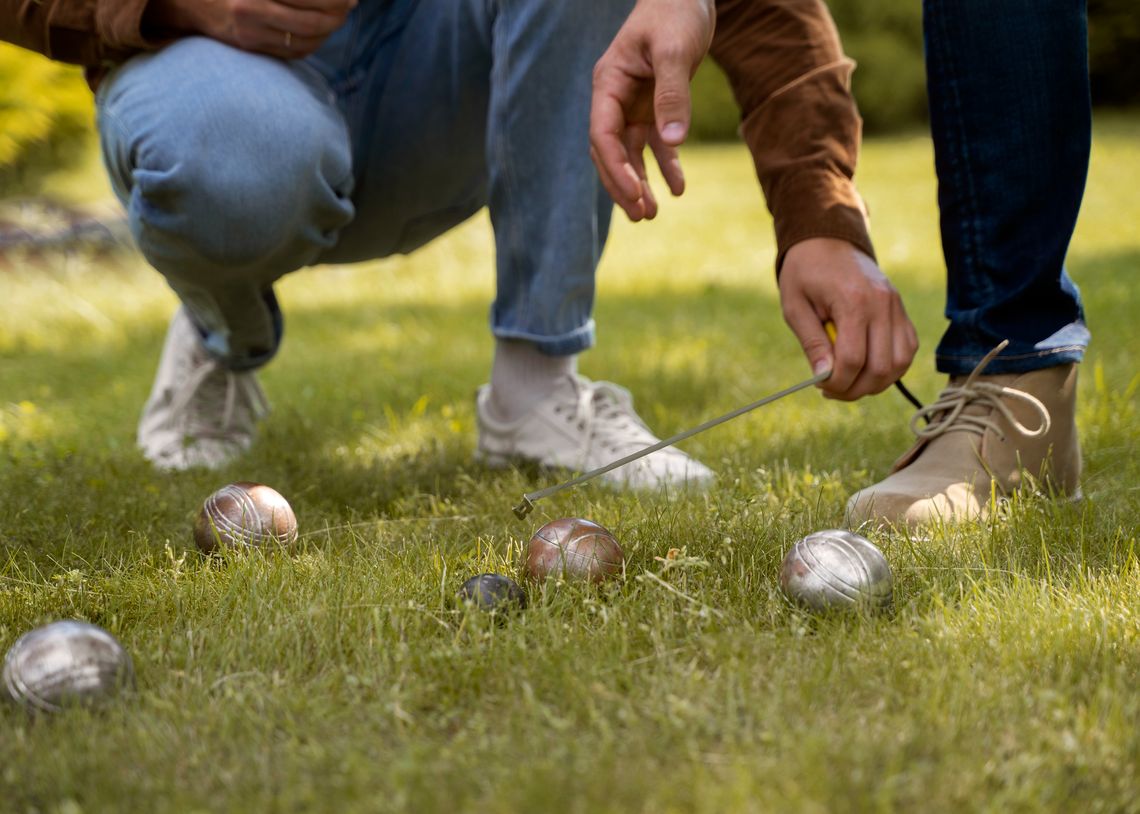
91,33
783,59
792,82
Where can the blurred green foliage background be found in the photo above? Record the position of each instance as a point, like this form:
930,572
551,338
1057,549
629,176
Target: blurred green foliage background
885,38
45,109
46,112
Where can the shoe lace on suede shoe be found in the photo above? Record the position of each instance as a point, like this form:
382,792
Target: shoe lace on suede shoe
948,413
604,413
209,391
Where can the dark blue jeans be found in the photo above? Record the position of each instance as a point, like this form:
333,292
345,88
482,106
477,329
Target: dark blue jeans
1011,121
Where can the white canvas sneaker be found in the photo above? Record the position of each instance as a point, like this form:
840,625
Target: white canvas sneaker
580,426
199,414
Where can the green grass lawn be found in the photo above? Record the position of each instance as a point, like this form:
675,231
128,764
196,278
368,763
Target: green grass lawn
340,677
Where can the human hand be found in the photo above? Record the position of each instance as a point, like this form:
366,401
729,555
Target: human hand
641,96
826,279
288,29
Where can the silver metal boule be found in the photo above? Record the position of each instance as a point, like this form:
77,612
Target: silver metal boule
837,569
66,663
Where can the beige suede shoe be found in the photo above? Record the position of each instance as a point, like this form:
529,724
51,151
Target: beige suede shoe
986,436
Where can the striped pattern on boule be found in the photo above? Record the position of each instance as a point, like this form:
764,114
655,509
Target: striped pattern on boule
837,569
66,663
575,549
245,515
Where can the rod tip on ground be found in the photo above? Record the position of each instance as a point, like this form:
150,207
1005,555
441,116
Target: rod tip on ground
524,508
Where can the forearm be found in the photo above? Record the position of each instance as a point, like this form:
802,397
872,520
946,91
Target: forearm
82,33
791,80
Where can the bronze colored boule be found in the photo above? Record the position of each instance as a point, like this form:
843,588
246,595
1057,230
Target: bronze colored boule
573,548
245,515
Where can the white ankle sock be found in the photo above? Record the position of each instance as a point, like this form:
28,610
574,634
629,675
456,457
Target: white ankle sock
522,376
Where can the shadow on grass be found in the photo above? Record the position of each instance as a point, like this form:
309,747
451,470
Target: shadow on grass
374,416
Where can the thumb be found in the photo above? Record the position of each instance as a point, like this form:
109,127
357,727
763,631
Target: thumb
814,337
671,105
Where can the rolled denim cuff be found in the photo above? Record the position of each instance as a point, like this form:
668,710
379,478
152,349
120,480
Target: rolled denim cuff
217,341
566,344
1066,346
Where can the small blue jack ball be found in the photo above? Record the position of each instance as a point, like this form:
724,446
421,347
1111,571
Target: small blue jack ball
493,592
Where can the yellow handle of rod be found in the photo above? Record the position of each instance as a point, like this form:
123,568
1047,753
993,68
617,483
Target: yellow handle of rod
829,326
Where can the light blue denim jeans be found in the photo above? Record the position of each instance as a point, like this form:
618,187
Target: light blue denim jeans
236,168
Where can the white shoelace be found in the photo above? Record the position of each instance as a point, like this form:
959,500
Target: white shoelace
240,391
946,414
604,412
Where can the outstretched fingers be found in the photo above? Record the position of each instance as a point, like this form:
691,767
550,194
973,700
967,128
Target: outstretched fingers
609,147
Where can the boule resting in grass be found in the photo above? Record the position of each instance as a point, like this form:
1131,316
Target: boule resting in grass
1011,122
251,138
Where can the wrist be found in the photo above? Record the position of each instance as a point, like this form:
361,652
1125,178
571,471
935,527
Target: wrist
848,232
167,18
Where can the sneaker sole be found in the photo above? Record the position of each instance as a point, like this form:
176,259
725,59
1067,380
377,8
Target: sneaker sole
528,466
